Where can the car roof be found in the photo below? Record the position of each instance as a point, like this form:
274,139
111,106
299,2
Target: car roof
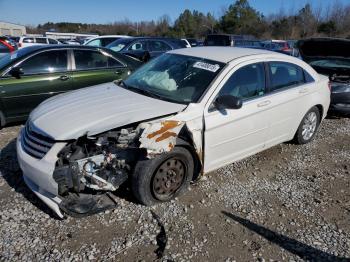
107,36
151,38
48,47
221,54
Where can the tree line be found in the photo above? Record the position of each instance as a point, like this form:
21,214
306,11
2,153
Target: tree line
238,18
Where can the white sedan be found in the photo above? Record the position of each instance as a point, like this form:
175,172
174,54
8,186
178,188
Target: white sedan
185,113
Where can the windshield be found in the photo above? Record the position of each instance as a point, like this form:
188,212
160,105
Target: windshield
331,63
175,78
119,44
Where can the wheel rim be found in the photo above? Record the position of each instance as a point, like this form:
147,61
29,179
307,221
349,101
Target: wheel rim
168,179
309,126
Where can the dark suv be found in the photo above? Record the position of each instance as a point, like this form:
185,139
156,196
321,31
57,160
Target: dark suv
154,46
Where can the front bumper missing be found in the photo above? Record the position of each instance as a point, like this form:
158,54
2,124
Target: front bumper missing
38,176
81,205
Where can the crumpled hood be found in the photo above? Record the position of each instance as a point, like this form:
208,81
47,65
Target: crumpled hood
95,110
324,47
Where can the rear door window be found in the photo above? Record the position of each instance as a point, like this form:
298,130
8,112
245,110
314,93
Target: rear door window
88,59
158,46
46,62
285,75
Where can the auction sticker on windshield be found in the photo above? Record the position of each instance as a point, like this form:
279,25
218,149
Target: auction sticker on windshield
206,66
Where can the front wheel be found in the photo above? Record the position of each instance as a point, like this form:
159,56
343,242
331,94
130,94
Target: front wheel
163,178
308,126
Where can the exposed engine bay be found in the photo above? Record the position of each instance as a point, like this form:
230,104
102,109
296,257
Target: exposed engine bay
95,165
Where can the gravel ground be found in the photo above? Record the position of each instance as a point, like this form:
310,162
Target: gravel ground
287,203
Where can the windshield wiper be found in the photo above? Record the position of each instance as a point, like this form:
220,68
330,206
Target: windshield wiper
140,91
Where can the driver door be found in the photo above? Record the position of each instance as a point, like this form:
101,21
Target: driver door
232,134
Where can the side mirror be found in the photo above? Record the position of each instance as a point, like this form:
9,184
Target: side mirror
16,72
228,102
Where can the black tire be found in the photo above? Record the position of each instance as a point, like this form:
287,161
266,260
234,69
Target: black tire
146,171
300,137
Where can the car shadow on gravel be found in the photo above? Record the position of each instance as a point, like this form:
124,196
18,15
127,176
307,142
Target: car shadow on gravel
12,174
295,247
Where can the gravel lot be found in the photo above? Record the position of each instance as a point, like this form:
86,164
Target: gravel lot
287,203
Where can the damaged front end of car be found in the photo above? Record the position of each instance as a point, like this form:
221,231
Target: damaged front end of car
91,167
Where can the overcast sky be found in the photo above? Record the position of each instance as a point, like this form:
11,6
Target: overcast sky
34,12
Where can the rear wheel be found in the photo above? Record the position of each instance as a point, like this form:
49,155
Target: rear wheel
308,126
163,178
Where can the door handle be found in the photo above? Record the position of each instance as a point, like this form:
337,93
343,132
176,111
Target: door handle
64,78
265,103
303,91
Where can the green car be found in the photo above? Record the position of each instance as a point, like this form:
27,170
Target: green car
30,75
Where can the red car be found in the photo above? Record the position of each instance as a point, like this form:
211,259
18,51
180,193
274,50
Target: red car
5,47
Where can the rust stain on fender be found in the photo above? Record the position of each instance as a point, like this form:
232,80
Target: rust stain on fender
166,135
166,125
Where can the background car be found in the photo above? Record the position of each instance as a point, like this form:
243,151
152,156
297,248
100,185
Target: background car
33,74
277,45
104,40
69,41
5,48
248,44
154,46
193,42
10,41
331,57
25,41
188,45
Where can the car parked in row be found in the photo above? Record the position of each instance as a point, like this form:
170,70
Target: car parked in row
5,47
104,40
154,46
187,112
331,57
193,42
33,74
69,41
10,41
25,41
